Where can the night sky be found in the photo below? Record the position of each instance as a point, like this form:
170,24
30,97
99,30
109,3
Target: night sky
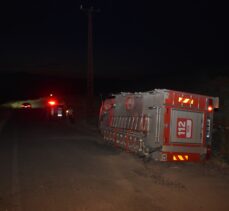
132,39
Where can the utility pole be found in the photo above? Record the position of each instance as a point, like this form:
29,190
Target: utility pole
90,67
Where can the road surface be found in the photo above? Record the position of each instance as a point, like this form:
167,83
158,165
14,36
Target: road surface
56,166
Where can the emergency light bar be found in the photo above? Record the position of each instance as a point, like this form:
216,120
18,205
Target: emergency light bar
52,102
185,100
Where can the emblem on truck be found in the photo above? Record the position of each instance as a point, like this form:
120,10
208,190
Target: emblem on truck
184,128
129,103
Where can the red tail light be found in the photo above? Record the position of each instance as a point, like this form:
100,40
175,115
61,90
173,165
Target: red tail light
52,102
210,105
210,108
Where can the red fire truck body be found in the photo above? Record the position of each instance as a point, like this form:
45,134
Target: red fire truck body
165,124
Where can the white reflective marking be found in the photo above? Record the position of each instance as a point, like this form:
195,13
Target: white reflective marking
189,129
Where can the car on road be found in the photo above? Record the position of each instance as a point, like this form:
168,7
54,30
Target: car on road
57,112
58,109
26,105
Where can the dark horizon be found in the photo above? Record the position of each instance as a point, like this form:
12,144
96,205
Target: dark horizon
137,46
51,36
24,85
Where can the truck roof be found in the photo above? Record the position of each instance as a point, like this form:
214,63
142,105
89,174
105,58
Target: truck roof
154,91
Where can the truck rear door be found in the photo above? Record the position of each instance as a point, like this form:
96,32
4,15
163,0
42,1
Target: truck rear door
186,127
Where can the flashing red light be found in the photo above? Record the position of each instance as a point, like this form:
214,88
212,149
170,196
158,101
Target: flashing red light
52,102
210,105
210,108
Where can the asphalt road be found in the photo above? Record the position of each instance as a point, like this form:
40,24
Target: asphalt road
56,166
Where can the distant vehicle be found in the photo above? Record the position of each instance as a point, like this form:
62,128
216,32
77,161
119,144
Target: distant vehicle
26,105
59,110
165,125
56,111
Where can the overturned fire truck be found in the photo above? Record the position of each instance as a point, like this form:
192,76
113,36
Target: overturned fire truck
165,125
